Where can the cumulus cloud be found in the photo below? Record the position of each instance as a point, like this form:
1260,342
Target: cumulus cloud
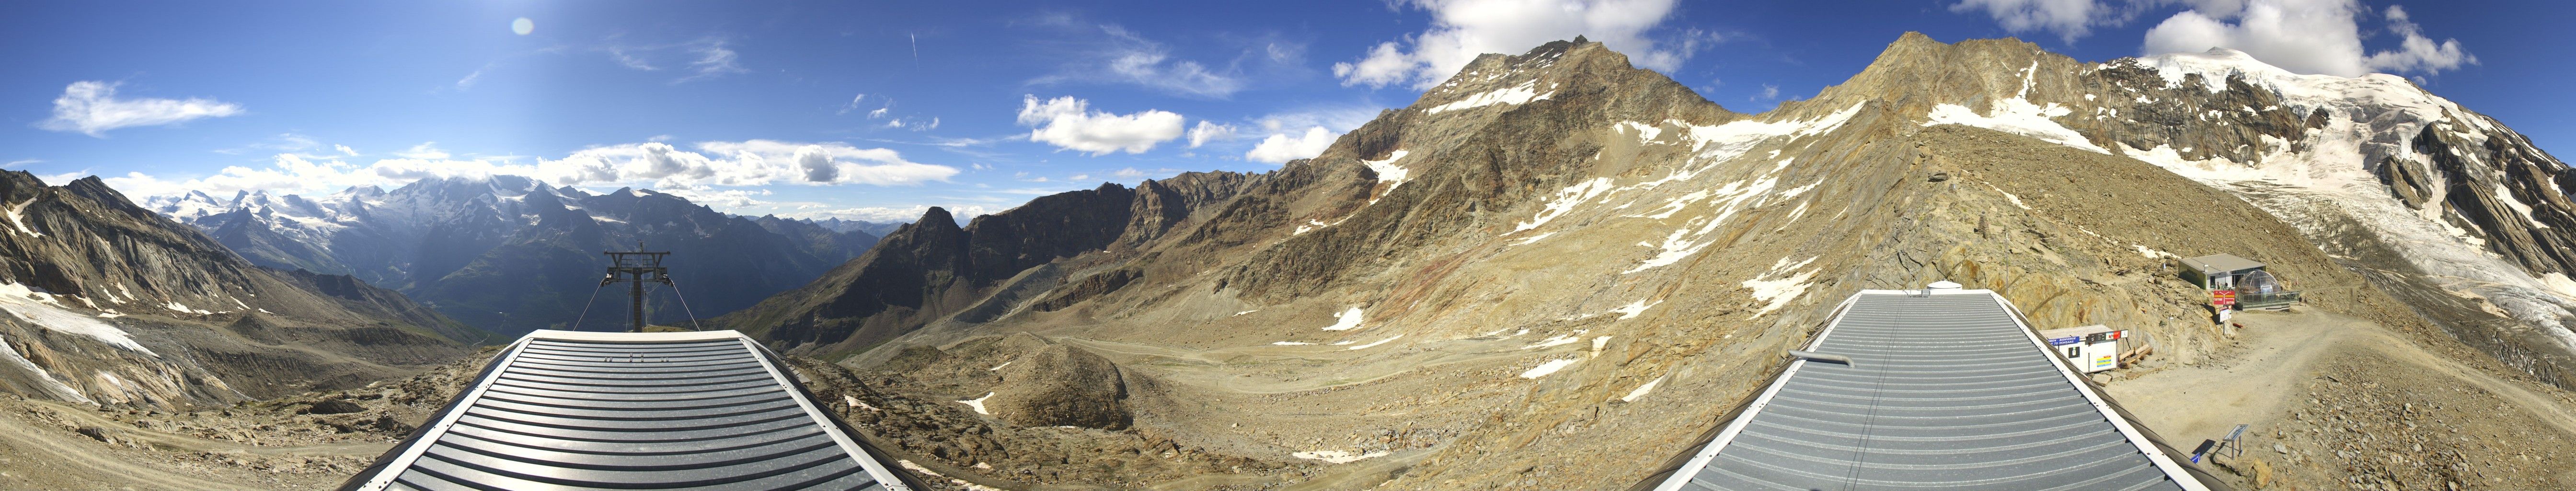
2416,53
1462,29
91,108
1070,124
1208,131
660,165
346,150
2070,19
2304,36
1280,148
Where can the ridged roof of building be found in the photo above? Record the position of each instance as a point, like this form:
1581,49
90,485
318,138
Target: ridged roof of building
1945,390
563,410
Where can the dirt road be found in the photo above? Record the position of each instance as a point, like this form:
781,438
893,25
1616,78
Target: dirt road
2305,380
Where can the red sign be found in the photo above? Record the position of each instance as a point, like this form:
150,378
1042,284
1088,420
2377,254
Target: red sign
2222,297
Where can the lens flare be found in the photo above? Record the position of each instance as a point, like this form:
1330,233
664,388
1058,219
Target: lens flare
523,26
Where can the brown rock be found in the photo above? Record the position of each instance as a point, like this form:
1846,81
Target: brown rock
1059,385
334,406
2262,474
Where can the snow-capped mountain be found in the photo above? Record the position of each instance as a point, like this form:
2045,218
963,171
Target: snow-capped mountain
457,243
2448,208
103,302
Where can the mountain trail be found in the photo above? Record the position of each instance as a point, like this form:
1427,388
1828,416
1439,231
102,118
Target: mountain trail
2286,368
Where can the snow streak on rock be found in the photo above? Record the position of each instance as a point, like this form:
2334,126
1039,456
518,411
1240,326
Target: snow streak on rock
2017,116
1389,173
1547,368
1522,94
43,310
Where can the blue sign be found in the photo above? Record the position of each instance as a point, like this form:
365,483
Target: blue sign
2065,340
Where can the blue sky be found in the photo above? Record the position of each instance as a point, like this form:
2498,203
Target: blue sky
872,110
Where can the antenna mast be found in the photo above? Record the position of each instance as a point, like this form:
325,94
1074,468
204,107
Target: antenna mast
639,267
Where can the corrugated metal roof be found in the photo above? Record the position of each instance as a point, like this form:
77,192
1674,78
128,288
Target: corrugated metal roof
2220,262
1946,391
566,410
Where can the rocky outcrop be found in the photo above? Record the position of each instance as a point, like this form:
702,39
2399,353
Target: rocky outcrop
1059,385
933,268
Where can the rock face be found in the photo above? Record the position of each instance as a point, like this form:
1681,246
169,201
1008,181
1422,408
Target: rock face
108,302
933,268
1555,259
1060,385
511,254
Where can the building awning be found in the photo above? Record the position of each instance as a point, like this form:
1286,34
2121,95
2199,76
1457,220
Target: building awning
2220,263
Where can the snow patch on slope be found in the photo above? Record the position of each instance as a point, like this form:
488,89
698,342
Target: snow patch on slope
52,386
17,214
1543,369
41,309
978,403
1337,456
1350,319
2017,116
1527,91
1389,173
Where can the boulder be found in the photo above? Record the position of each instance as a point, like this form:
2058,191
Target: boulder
334,406
1059,385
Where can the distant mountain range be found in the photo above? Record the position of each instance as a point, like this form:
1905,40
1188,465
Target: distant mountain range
512,254
106,302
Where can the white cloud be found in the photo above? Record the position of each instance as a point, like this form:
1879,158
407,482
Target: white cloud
424,151
707,57
853,105
729,198
346,150
2304,36
712,59
1068,123
2070,19
1462,29
91,107
1130,172
660,165
1280,147
1208,131
468,82
889,214
1126,57
1145,62
1768,92
2417,53
1337,119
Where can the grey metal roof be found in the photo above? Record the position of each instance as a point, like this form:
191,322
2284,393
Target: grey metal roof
564,410
2221,262
1945,391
